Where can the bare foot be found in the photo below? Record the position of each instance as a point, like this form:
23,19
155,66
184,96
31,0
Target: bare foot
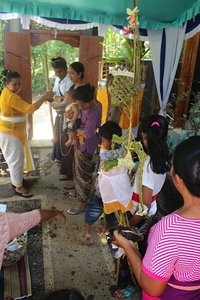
73,142
112,274
120,294
88,240
68,143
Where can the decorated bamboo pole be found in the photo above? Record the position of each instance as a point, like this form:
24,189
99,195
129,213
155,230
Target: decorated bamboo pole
125,89
48,89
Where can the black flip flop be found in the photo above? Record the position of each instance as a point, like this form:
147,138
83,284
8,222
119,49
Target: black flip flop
24,194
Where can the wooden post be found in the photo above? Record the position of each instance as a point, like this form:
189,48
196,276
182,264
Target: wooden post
186,78
90,53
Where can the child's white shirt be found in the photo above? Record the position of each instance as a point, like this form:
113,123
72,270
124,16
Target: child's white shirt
151,180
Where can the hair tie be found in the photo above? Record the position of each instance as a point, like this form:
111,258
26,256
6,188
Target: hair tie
155,124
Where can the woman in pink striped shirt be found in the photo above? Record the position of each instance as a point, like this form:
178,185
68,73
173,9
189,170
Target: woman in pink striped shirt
170,268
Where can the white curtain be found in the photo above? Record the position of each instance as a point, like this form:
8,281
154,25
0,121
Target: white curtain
26,19
165,45
170,41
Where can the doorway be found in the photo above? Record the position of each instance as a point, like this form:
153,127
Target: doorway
17,53
43,78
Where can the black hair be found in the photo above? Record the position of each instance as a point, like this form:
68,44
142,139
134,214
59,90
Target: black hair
65,294
108,129
58,62
156,127
78,67
70,92
10,75
84,93
186,163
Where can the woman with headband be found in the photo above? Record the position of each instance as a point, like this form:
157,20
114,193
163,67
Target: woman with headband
61,86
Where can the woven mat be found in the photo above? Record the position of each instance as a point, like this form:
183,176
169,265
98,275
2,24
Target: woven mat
17,280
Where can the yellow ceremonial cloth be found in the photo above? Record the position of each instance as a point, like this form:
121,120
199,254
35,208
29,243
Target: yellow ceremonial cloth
28,158
103,99
115,188
12,106
115,206
124,122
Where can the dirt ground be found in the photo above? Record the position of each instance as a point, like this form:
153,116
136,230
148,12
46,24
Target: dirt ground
58,256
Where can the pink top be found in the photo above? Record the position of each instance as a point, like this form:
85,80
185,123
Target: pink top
12,225
173,250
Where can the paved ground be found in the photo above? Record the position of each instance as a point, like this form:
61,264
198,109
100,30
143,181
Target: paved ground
68,262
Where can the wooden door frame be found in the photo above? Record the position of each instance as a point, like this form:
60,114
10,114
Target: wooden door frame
186,79
33,38
90,53
40,36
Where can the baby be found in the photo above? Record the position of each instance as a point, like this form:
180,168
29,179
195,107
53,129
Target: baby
75,122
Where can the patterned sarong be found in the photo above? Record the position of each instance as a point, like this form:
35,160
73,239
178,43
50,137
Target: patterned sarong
83,175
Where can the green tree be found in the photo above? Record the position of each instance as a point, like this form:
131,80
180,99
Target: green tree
2,67
50,49
117,48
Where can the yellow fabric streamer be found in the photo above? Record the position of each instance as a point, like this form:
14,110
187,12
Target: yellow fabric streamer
81,139
28,159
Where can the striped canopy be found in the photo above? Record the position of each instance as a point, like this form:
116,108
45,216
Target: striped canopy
154,15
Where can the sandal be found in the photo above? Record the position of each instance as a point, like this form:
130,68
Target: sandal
75,210
72,194
25,194
64,177
125,293
57,160
69,186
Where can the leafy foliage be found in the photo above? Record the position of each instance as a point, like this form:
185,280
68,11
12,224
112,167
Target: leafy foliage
50,49
117,48
2,77
192,118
